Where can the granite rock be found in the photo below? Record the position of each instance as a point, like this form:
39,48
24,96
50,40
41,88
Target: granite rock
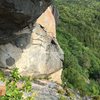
36,51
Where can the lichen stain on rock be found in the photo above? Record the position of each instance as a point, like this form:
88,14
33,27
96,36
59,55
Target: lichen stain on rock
10,61
34,52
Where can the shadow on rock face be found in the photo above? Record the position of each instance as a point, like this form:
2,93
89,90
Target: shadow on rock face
17,14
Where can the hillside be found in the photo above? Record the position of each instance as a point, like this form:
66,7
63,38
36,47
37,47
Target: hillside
78,33
33,58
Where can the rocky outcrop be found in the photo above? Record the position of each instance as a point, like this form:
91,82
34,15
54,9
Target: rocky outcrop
36,51
46,90
17,14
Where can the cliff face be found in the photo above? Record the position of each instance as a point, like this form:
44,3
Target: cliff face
36,51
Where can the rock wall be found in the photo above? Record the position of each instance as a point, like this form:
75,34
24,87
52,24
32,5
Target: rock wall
36,51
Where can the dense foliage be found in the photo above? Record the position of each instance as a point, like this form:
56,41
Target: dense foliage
12,90
78,34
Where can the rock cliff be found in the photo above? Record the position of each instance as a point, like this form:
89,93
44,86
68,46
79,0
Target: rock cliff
28,37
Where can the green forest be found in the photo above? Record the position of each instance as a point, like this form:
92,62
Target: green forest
78,33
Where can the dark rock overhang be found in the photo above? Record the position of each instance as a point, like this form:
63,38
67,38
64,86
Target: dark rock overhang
17,14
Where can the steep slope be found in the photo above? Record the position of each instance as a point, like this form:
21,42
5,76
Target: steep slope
79,36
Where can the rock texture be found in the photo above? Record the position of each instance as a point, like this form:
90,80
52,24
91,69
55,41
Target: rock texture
42,90
17,14
41,56
46,91
36,51
47,20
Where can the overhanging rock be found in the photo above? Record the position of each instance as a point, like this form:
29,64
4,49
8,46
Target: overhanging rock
17,14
